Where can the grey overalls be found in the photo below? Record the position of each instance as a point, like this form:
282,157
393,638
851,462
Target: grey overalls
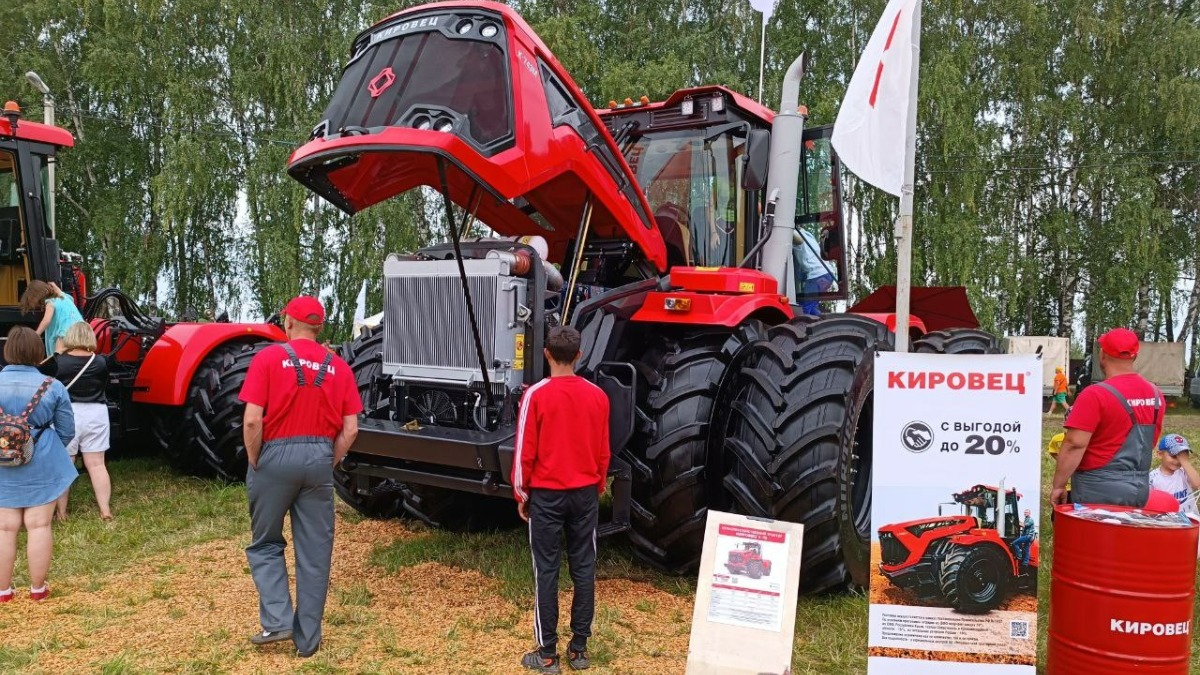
294,475
1124,481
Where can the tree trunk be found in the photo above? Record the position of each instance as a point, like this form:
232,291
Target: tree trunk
1069,284
1143,310
1191,320
1193,310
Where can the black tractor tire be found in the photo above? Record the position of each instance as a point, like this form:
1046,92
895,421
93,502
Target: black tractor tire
458,511
212,429
958,341
798,440
681,377
167,434
935,554
975,579
754,570
381,498
364,354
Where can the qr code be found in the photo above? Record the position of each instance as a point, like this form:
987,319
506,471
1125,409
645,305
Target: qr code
1018,630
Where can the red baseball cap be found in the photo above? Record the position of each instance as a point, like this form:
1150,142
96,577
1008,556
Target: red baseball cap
307,309
1120,343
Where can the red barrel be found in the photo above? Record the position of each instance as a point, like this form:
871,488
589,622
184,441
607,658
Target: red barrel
1121,597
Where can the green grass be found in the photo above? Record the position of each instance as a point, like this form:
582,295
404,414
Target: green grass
161,512
157,511
504,556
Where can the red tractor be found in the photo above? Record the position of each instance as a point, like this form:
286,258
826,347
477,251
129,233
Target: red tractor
747,560
668,233
176,382
970,561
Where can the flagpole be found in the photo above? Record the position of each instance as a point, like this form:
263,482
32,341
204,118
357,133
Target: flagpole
762,57
904,224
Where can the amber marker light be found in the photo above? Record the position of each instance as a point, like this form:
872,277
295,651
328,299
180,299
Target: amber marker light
677,304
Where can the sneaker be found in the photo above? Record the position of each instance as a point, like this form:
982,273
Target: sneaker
578,660
542,664
39,594
268,636
7,596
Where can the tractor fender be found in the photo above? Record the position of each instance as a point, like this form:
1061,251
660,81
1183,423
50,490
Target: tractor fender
171,362
709,309
971,539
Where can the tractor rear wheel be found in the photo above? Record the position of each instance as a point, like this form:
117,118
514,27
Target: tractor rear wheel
798,440
958,341
213,414
680,378
974,579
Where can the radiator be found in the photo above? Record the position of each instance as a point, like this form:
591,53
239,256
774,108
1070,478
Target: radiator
427,330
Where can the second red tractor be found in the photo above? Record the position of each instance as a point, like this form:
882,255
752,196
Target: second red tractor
747,560
174,383
971,561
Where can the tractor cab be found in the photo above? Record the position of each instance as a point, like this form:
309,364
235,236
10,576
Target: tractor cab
700,157
746,548
981,502
28,249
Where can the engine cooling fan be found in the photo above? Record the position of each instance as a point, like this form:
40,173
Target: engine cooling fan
434,407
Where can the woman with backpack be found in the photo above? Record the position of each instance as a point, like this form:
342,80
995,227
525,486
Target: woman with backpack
34,466
85,375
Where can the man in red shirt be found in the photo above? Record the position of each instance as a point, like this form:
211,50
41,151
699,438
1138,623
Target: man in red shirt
301,417
560,467
1111,431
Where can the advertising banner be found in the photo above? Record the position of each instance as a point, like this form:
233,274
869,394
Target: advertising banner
956,476
745,614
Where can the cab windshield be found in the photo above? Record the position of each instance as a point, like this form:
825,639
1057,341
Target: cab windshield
426,80
9,192
692,182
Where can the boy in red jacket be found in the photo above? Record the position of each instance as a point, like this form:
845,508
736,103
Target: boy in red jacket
560,466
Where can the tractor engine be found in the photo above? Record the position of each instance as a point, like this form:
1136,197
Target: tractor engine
454,362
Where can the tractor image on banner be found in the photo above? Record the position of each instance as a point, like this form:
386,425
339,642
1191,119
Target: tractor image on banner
690,241
747,560
172,384
963,560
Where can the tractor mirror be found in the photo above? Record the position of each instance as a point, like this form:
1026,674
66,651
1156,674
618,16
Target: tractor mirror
758,150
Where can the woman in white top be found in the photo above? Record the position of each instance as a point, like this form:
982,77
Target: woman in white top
85,374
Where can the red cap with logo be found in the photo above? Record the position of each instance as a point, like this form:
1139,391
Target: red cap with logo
1120,343
306,309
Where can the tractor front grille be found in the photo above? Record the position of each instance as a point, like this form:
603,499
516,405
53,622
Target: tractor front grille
427,323
893,552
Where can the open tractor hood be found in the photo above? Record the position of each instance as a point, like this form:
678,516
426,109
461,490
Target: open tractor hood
465,98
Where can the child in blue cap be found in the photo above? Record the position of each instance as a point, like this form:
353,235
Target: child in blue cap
1175,473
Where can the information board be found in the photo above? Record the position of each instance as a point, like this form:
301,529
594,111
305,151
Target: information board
956,477
745,613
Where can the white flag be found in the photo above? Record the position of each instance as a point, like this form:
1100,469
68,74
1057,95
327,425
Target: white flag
767,7
360,304
870,133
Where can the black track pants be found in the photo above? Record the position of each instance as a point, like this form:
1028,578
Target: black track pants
551,514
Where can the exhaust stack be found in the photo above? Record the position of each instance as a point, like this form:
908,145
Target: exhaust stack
783,174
